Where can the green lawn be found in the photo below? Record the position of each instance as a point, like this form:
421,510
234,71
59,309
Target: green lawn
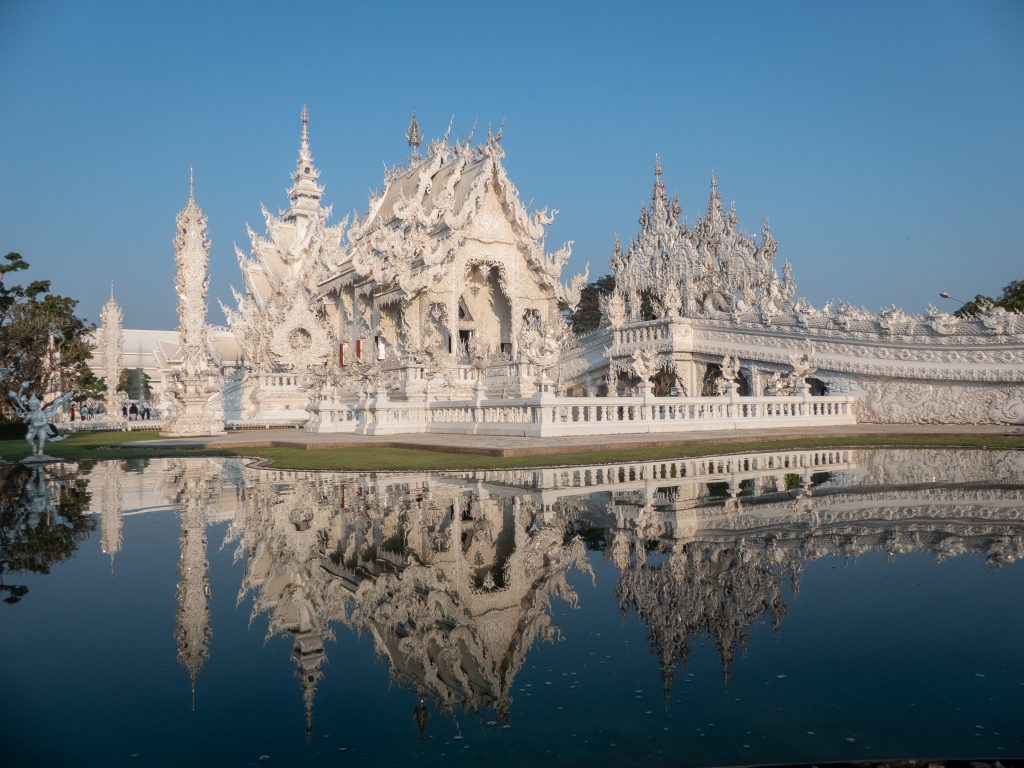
101,445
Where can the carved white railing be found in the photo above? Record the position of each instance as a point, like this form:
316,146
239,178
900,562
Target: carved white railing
119,425
546,414
627,475
280,382
268,423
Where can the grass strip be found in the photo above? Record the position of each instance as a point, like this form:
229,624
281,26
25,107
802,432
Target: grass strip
370,457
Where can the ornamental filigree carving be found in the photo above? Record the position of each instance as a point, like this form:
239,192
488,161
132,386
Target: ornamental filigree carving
541,341
281,302
110,341
646,363
709,268
730,368
923,403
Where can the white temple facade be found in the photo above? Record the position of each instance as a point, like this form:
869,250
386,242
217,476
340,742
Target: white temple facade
439,309
282,321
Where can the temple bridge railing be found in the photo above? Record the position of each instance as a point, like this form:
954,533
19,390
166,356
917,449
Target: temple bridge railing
548,415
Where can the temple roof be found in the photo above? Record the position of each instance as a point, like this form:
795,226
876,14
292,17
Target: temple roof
430,206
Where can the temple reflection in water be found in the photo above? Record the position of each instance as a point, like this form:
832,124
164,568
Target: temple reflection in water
453,575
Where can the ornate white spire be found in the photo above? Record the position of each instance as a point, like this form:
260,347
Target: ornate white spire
195,380
414,137
304,153
111,344
305,193
192,257
715,219
659,197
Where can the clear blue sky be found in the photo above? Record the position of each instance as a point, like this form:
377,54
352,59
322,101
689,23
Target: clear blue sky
883,139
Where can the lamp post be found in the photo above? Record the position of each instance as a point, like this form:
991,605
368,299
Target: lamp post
945,295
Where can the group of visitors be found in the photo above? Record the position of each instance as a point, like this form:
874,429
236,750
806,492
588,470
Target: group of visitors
130,411
133,412
82,412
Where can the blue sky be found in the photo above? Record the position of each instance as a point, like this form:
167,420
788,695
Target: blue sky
882,139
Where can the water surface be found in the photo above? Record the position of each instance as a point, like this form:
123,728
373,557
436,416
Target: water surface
780,607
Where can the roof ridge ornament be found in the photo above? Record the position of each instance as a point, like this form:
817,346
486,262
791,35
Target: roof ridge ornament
304,141
305,193
413,136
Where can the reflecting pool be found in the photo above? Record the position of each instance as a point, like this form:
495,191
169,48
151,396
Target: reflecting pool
793,606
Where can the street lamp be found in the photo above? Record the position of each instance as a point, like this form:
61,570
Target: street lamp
944,295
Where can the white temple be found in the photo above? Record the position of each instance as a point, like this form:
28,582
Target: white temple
440,310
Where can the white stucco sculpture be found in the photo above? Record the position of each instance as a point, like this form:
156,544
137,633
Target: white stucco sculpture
37,416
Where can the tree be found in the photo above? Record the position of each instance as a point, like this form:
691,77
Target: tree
587,316
38,530
41,338
135,382
1012,300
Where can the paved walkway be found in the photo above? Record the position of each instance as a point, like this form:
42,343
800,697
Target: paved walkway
492,445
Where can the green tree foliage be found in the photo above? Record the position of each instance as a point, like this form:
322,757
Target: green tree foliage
35,532
587,316
41,338
136,382
1012,300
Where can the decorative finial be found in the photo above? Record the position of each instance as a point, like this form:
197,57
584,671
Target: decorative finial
501,130
657,165
191,184
111,290
714,181
448,132
305,128
413,136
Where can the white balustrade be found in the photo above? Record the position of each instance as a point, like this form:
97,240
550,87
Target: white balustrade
547,414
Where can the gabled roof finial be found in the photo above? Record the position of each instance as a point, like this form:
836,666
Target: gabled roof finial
413,135
191,184
657,165
305,128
